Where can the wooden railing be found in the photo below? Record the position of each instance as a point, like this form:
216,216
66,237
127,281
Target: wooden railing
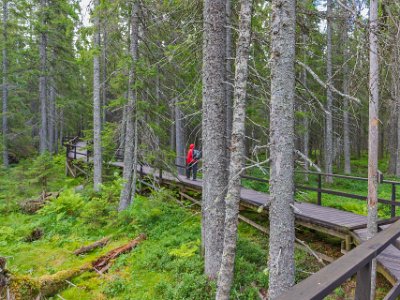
358,261
320,190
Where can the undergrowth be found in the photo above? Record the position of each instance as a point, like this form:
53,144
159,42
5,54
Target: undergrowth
168,265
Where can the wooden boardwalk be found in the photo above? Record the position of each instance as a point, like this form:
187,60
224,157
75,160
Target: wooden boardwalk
326,219
350,227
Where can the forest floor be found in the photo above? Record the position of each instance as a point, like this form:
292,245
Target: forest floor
167,265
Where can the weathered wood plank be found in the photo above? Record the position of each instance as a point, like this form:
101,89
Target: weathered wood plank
326,280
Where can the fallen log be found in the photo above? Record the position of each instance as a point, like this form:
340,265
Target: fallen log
103,263
85,249
26,287
33,205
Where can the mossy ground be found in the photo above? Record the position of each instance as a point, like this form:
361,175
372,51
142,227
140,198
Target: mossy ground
168,265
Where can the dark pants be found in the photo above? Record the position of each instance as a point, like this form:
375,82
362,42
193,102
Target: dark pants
191,167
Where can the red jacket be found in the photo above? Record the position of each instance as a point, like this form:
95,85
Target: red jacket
189,156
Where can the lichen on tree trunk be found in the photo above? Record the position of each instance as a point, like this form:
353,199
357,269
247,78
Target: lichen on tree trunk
281,215
214,134
373,136
232,199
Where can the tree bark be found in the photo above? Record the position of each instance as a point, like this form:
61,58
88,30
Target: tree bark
228,80
306,135
5,85
104,74
179,138
346,89
214,134
232,200
329,96
392,136
129,151
396,91
43,80
373,136
281,215
97,151
51,115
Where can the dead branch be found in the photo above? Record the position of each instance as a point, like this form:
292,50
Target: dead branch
303,156
104,263
85,249
327,85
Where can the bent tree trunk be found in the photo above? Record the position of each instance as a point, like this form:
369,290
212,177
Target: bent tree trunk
281,215
214,138
97,156
373,136
225,276
126,193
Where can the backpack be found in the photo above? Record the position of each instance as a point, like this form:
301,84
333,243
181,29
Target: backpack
196,154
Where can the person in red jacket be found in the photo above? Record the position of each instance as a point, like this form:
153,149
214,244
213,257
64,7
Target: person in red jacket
191,162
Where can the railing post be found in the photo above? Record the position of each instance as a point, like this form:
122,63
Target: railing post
141,170
363,283
319,200
160,174
393,206
74,151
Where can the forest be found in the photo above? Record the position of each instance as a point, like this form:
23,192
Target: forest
190,149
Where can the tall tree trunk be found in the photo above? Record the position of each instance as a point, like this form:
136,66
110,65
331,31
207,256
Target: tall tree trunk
158,103
396,92
306,135
232,200
51,114
346,89
373,131
97,151
5,85
214,134
56,132
329,96
228,80
172,130
281,215
130,135
104,75
179,138
392,135
43,80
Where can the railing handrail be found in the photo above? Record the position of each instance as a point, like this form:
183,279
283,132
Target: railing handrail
358,260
